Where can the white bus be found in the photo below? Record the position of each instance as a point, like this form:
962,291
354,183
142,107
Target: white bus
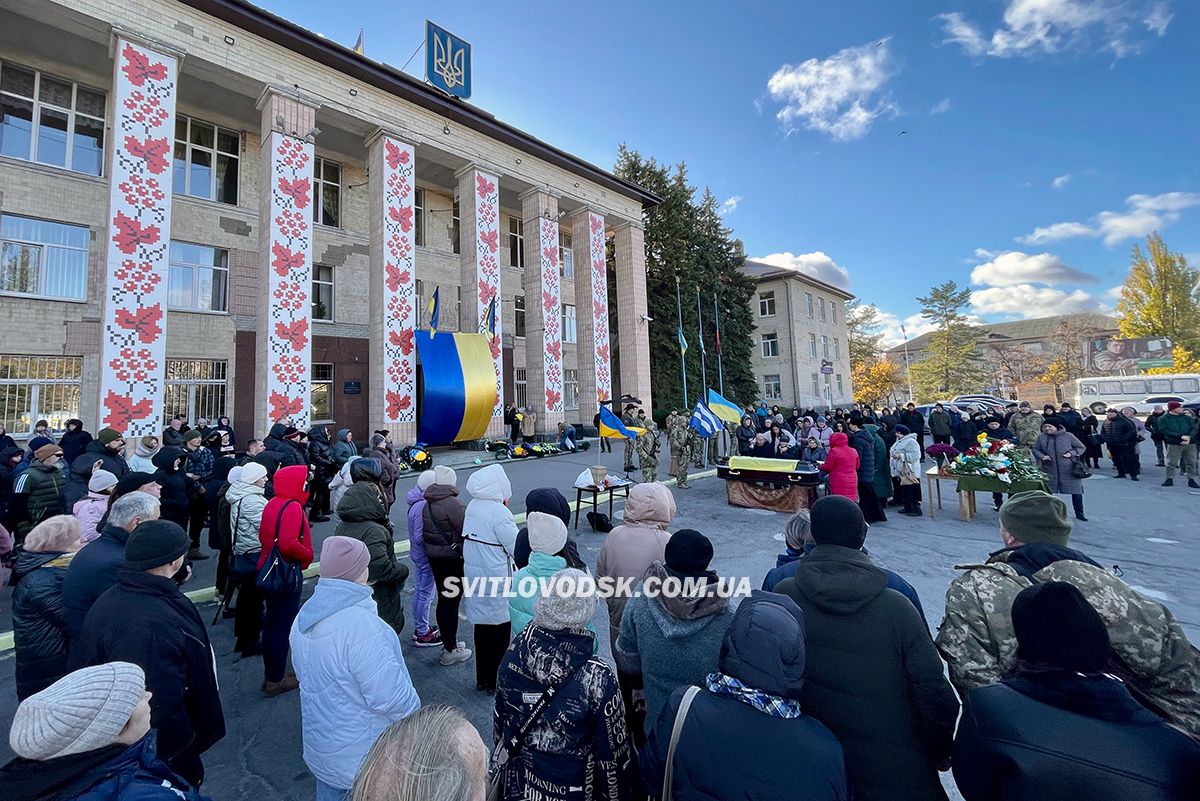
1100,392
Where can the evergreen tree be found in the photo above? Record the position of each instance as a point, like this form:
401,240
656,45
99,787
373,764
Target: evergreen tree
952,364
1161,297
862,333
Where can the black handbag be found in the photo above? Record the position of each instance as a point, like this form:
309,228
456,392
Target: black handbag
277,574
1079,469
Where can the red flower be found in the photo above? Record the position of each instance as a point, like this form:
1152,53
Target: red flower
130,233
402,339
138,67
297,190
122,410
483,186
394,155
549,301
145,321
596,223
295,332
494,345
285,260
602,352
550,254
393,276
489,238
283,407
486,291
154,151
554,349
552,399
403,216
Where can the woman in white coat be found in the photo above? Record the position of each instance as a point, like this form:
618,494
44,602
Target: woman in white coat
906,460
353,679
489,541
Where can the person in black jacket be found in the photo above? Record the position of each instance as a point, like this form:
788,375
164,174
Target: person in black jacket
1059,726
324,467
173,433
74,440
274,438
105,452
10,457
552,502
862,441
1120,435
146,620
176,495
756,693
916,424
38,618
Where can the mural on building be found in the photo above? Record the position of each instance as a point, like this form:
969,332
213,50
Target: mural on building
487,247
134,341
599,276
289,281
399,302
551,316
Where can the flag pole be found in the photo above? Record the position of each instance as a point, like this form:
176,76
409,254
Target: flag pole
700,339
682,353
717,317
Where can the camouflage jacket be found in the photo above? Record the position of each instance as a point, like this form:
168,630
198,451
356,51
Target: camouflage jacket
1026,427
647,446
681,438
977,640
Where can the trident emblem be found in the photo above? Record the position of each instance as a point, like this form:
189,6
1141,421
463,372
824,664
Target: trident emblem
448,63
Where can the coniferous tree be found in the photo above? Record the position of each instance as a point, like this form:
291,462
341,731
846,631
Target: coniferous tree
952,364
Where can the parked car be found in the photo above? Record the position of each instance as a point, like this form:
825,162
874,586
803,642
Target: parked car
1146,406
991,401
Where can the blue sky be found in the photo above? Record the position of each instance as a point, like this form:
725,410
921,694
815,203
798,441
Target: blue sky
1043,137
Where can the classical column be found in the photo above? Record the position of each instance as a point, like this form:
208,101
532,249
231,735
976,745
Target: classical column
133,346
393,285
591,309
543,310
633,332
479,240
283,341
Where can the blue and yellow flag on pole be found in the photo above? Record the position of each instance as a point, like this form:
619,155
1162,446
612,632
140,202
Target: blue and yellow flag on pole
489,319
682,342
612,427
723,408
360,45
432,312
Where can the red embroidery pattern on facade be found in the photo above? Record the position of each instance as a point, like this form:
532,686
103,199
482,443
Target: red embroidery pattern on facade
551,316
487,250
400,285
599,276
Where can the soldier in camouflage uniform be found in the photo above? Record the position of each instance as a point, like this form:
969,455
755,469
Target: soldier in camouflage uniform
683,440
647,450
1026,425
977,640
629,419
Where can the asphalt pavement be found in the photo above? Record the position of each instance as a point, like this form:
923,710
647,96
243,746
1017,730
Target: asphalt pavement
1147,530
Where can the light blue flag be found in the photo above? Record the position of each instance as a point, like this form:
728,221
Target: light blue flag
703,421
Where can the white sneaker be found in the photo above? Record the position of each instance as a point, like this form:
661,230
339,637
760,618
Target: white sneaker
459,654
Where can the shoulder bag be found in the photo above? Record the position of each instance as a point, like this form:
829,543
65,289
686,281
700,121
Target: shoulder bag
509,748
680,716
1079,469
277,574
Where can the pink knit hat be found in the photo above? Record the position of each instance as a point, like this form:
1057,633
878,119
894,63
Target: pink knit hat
343,558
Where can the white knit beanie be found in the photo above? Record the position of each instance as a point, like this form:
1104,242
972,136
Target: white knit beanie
547,533
252,473
101,480
568,603
444,475
80,712
427,479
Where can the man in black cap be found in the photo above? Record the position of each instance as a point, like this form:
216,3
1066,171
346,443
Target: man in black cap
292,451
147,620
873,675
1059,726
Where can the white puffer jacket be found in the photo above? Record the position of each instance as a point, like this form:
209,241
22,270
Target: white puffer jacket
490,537
906,452
246,505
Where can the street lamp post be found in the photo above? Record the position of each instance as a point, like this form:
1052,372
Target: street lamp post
907,365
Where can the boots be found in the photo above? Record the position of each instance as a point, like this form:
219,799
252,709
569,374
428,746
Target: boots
285,685
1077,502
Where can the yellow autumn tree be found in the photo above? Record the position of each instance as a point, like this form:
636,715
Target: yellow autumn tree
1161,297
1185,362
875,380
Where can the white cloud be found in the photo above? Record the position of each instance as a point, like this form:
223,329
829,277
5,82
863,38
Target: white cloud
816,264
841,96
1114,293
941,107
1061,181
1031,27
730,205
1143,214
1014,267
889,327
1028,301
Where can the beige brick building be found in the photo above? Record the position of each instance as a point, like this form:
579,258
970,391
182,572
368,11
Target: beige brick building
244,78
801,356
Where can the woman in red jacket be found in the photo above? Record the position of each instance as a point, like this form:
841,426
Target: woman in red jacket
285,522
842,467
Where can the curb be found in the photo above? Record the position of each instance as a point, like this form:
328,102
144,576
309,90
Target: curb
209,594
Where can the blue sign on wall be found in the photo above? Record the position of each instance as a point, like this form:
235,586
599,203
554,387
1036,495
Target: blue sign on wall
447,61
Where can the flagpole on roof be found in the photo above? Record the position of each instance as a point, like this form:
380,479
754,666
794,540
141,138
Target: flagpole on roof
682,350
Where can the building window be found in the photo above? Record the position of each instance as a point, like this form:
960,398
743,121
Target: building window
816,385
566,259
327,192
812,345
36,388
206,160
199,278
828,387
766,304
43,258
568,323
839,384
821,308
321,392
770,346
837,346
322,292
772,387
519,316
194,388
520,387
824,346
570,389
50,121
419,216
808,303
516,243
456,226
832,312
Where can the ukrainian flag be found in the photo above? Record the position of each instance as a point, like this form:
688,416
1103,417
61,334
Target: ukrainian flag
682,342
459,388
612,427
723,408
433,311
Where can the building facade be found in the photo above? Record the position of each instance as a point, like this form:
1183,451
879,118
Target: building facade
801,351
207,210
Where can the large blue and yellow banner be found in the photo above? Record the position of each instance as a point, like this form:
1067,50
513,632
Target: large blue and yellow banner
459,389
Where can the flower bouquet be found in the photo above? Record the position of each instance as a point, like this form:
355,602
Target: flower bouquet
995,458
942,453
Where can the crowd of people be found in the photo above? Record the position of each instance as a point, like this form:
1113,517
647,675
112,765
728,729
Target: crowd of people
1061,677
